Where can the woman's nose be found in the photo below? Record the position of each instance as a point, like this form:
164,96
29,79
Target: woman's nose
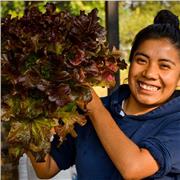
151,72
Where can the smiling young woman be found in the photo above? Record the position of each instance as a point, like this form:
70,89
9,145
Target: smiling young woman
153,76
135,132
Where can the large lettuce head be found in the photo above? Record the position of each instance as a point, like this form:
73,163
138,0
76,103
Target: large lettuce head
47,61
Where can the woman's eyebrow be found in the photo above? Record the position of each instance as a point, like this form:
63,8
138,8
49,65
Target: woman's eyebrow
141,54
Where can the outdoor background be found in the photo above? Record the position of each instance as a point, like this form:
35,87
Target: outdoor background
133,16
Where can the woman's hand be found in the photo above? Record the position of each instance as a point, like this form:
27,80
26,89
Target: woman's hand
95,103
91,106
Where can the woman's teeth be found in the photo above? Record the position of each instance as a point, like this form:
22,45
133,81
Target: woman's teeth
148,87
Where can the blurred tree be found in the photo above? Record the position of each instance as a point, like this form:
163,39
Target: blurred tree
136,15
15,8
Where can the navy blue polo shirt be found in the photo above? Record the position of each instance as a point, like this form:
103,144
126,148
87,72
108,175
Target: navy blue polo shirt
158,131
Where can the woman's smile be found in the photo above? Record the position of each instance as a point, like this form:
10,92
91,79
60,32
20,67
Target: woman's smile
146,87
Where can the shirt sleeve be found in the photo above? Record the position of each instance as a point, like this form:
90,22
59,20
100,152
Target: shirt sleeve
165,148
64,155
105,100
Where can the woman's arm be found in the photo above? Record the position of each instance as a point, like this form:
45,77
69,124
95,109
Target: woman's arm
44,170
131,161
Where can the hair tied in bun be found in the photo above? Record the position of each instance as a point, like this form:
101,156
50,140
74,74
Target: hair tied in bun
166,17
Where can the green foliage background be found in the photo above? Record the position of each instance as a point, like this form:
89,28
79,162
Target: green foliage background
134,18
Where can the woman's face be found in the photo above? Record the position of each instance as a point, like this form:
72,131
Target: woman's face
154,72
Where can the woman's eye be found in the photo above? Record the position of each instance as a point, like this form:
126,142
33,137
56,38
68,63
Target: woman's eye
165,66
141,61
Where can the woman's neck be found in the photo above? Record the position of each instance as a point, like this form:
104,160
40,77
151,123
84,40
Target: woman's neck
133,107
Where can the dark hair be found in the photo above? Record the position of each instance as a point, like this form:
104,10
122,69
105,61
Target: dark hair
166,25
